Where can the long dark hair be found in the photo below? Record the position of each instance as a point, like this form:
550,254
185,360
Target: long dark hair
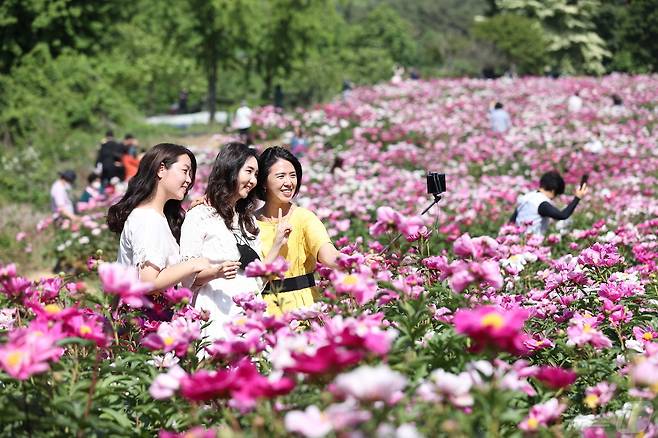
142,187
223,184
267,159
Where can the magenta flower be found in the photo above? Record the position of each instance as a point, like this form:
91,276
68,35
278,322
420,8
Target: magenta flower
645,334
475,248
258,268
360,286
602,255
29,350
123,281
494,327
206,385
542,415
329,359
387,220
556,377
412,228
195,432
249,302
166,384
599,395
463,274
582,331
88,327
7,271
178,295
174,336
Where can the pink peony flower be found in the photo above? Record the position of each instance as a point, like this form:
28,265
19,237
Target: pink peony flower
174,336
542,415
195,432
360,286
465,273
258,268
442,385
599,395
556,377
493,326
327,359
602,255
475,248
123,281
29,350
250,302
387,219
582,331
166,384
311,423
645,334
371,384
88,327
206,385
178,295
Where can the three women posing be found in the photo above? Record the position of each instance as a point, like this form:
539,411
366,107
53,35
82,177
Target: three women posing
220,237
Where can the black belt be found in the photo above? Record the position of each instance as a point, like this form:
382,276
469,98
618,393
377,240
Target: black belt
290,284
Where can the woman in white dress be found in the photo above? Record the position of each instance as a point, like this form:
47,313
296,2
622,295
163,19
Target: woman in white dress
149,217
224,231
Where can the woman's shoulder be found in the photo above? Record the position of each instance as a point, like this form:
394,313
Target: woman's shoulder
303,214
145,215
201,212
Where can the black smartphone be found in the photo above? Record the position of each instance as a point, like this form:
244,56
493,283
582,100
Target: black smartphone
584,179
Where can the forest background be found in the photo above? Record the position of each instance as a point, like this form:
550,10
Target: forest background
70,69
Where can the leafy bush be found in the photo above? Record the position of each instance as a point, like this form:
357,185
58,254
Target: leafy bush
521,41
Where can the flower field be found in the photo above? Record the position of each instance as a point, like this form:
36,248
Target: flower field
468,327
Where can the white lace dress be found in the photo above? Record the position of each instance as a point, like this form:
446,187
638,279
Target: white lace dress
204,234
146,237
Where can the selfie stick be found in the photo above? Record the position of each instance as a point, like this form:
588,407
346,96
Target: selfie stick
437,198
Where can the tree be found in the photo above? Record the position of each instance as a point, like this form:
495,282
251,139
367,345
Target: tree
640,33
570,30
521,40
384,29
288,31
87,27
219,32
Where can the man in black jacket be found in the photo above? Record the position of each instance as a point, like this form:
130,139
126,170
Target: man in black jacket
109,156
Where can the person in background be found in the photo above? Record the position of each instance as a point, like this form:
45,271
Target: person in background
182,102
499,118
347,89
60,197
575,103
129,159
93,190
109,157
130,145
535,208
278,97
298,143
242,122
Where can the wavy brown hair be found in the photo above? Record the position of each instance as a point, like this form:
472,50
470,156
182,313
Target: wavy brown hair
223,184
142,187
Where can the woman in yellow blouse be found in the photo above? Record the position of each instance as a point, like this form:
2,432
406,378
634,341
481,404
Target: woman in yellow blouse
293,232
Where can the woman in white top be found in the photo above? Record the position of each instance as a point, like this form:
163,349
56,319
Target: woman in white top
223,230
149,217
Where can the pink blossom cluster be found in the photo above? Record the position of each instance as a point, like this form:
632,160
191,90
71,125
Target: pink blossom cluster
490,326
